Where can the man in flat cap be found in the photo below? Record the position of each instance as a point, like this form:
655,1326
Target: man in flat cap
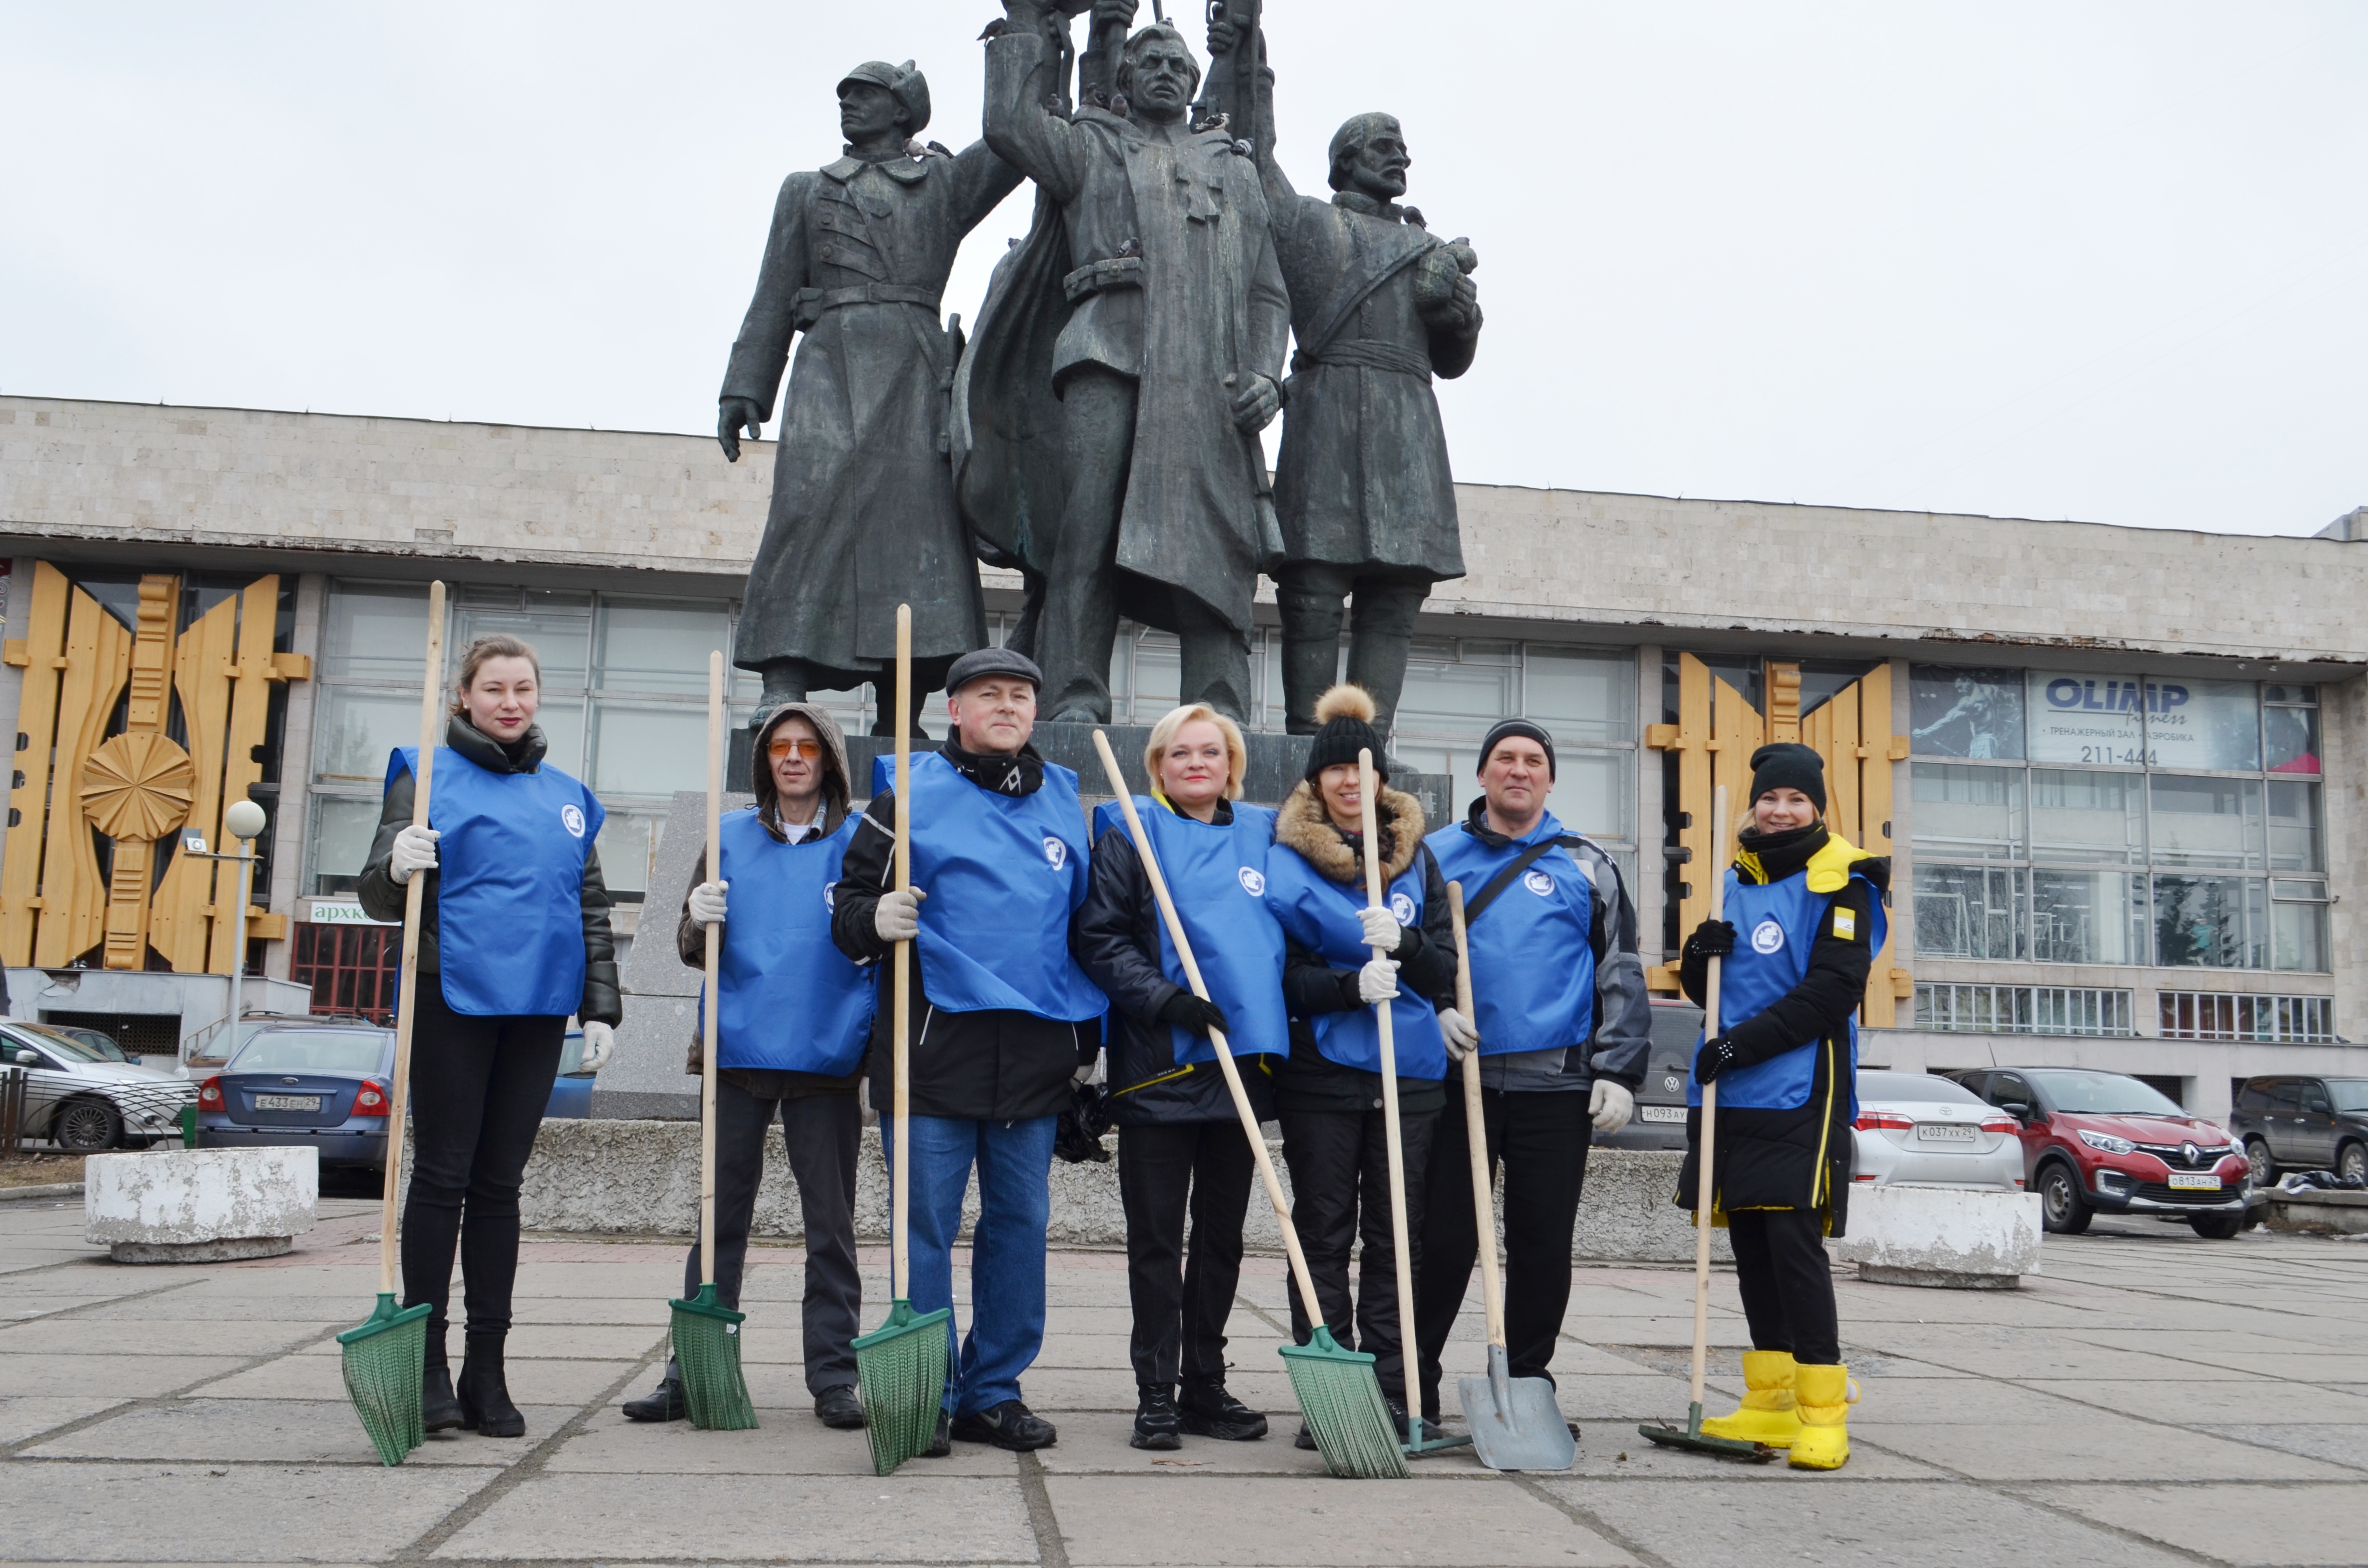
863,511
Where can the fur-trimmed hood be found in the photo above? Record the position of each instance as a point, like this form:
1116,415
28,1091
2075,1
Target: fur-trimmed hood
1304,825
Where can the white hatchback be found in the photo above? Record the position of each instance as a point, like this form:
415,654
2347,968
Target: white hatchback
1918,1128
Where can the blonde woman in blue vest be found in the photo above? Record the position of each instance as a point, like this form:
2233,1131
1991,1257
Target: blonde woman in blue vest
1805,918
514,938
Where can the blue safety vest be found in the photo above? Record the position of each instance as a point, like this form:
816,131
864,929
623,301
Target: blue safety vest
1321,915
1217,877
1533,948
791,1000
1776,923
509,886
1003,874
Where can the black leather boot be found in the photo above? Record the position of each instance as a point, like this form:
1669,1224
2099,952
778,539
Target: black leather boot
663,1403
438,1411
483,1394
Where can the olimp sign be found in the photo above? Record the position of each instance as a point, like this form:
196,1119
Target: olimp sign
2131,721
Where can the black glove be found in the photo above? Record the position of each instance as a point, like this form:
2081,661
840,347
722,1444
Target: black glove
1187,1011
1716,1055
1711,939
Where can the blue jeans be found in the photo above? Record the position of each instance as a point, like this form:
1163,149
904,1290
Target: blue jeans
1006,1251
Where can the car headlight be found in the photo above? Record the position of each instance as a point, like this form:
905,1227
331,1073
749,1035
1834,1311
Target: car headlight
2107,1141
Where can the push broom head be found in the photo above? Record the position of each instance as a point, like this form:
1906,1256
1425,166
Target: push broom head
1691,1438
385,1359
707,1351
900,1368
1340,1396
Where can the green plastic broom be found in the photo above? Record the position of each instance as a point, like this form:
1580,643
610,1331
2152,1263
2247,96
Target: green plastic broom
901,1366
385,1357
1339,1392
706,1333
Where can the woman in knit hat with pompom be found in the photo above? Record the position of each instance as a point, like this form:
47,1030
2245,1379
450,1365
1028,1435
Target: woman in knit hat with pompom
1328,1094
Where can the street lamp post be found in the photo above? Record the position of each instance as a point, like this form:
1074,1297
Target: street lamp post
244,820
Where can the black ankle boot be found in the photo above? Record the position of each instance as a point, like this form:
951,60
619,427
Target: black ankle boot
438,1411
483,1394
663,1403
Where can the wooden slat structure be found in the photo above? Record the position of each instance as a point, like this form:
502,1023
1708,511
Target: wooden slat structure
184,920
22,850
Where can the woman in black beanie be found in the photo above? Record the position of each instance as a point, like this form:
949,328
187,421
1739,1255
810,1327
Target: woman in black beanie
1328,1094
1810,909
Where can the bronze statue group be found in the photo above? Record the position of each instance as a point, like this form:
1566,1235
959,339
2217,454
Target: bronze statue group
1099,432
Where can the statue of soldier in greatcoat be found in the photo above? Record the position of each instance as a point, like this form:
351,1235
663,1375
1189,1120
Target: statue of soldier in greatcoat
863,516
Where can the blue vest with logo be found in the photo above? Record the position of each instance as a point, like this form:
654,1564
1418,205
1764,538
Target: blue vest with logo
1776,923
1003,874
791,1000
1533,948
1217,877
1320,914
509,887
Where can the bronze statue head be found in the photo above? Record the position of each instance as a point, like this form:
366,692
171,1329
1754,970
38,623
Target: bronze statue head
876,99
1369,155
1157,73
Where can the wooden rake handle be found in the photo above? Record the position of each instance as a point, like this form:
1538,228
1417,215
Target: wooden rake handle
1391,1137
1476,1132
1704,1187
415,905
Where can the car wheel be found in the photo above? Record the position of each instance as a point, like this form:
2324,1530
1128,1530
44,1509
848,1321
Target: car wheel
2265,1169
2351,1162
2062,1208
2217,1227
88,1126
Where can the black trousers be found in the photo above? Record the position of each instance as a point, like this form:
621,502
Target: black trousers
1787,1283
822,1133
1182,1289
479,1086
1541,1139
1340,1194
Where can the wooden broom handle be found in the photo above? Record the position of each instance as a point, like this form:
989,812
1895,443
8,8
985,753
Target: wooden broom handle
713,1003
901,1007
1391,1137
415,905
1475,1131
1704,1187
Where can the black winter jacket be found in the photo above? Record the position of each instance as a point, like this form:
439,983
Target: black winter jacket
1116,940
384,898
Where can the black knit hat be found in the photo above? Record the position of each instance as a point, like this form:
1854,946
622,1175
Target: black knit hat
1506,729
1789,765
1346,713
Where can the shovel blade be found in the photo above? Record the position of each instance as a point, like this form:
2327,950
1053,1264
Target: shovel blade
1529,1434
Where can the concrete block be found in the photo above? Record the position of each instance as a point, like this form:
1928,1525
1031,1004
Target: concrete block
2312,1211
199,1205
1949,1237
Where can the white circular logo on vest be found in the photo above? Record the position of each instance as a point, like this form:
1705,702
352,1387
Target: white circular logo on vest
1539,883
571,817
830,897
1767,937
1252,881
1402,908
1056,851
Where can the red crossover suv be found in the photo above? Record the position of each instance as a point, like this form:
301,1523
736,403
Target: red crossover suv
2105,1141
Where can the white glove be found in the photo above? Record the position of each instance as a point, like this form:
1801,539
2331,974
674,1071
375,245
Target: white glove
414,850
706,903
1378,980
897,917
1463,1038
1382,929
599,1043
1611,1105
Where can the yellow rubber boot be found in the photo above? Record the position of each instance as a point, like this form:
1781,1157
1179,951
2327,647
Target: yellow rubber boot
1823,1395
1767,1415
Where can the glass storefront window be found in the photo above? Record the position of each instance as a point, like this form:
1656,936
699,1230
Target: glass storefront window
2290,728
1969,912
648,645
2212,922
356,729
2214,823
643,748
559,630
2204,724
1580,696
342,830
2298,928
1448,697
2086,719
1968,713
380,633
2084,818
1968,812
629,846
2087,916
2295,835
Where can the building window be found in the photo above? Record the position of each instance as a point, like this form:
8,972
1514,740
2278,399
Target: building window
2218,1014
351,969
2126,820
2025,1009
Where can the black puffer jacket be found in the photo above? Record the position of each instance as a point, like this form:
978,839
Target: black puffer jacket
384,898
1115,937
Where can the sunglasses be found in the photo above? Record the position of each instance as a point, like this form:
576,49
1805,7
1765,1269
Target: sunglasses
805,751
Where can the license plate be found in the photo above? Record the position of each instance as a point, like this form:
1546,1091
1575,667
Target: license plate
310,1102
1945,1132
1660,1113
2194,1181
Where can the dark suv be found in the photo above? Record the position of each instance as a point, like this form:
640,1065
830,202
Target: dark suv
2312,1124
2104,1142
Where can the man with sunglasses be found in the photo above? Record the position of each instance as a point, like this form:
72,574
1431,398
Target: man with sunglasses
795,1020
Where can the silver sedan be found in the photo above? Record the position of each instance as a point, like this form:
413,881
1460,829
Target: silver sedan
1920,1129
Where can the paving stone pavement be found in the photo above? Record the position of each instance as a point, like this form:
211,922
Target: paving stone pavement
2151,1399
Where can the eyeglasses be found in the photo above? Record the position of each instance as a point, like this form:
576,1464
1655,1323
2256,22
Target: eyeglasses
805,751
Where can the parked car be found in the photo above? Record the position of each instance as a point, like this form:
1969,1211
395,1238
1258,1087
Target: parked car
1932,1132
2105,1143
85,1103
2312,1124
97,1040
1660,1119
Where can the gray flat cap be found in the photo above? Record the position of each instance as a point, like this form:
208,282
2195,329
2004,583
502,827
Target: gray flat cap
983,662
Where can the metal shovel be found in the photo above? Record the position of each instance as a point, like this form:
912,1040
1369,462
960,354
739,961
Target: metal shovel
1515,1423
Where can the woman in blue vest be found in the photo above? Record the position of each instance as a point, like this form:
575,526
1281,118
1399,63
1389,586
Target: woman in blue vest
514,938
1181,1143
1805,918
1328,1093
796,1014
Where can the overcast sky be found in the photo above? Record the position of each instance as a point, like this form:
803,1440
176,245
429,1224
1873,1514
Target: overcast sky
2085,260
